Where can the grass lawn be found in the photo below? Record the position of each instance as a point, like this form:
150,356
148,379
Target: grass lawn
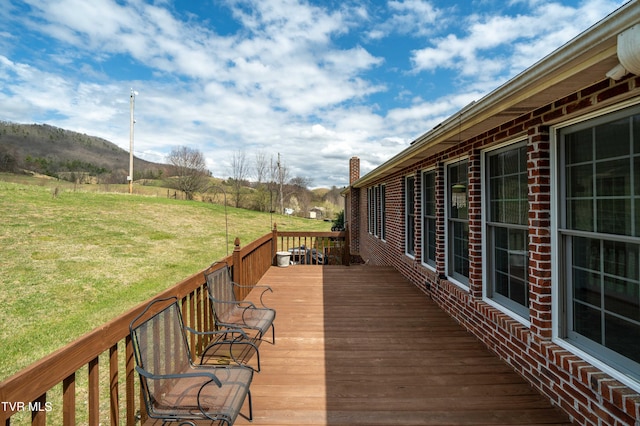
74,261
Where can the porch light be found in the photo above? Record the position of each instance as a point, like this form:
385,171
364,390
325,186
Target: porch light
458,187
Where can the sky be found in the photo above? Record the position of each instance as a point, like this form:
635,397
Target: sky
315,81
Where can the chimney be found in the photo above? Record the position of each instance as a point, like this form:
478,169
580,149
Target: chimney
354,169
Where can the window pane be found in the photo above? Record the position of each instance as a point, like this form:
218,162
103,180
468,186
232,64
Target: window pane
431,223
580,215
511,160
612,139
458,186
587,322
623,337
502,284
579,146
613,178
580,181
586,287
429,194
614,216
519,291
622,298
621,259
461,248
586,253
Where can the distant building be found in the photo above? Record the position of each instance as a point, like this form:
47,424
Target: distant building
316,213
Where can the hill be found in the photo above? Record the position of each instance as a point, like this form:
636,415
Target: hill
49,150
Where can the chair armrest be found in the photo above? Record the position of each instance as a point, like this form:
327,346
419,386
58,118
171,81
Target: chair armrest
152,376
225,332
265,288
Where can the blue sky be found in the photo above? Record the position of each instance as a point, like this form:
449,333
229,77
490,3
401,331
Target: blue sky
316,81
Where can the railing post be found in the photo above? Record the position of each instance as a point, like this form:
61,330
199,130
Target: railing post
274,243
346,251
237,262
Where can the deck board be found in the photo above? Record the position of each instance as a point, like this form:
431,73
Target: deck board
360,345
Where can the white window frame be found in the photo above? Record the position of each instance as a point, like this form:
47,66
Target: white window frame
486,264
558,252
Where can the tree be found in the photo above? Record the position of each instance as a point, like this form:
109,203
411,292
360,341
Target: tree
190,171
298,188
262,195
239,173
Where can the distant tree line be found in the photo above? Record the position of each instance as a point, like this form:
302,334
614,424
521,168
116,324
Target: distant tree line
270,190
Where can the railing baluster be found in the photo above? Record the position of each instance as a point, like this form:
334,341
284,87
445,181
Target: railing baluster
69,400
130,382
114,397
198,323
39,414
94,392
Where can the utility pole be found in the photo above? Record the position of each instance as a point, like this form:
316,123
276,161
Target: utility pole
132,102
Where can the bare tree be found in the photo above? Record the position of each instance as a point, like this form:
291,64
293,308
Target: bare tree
298,187
279,176
190,170
261,171
261,166
239,174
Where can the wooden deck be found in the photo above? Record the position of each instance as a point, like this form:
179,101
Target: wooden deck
360,345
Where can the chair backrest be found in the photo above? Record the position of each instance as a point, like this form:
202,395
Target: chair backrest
220,287
159,343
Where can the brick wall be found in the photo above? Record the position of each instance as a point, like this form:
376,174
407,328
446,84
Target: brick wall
587,394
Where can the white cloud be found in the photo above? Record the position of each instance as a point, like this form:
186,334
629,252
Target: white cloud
290,77
495,47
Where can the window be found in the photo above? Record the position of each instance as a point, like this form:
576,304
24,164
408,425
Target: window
599,232
383,212
507,234
429,218
376,212
410,215
370,210
458,221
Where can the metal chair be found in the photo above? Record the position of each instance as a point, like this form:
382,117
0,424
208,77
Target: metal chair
174,388
230,313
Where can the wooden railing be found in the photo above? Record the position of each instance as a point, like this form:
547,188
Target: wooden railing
313,247
93,377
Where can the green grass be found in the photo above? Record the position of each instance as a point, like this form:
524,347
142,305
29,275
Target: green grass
72,262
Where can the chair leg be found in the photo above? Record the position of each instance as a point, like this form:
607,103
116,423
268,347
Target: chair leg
250,416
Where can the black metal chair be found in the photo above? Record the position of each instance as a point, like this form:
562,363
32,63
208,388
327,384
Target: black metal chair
230,313
176,389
